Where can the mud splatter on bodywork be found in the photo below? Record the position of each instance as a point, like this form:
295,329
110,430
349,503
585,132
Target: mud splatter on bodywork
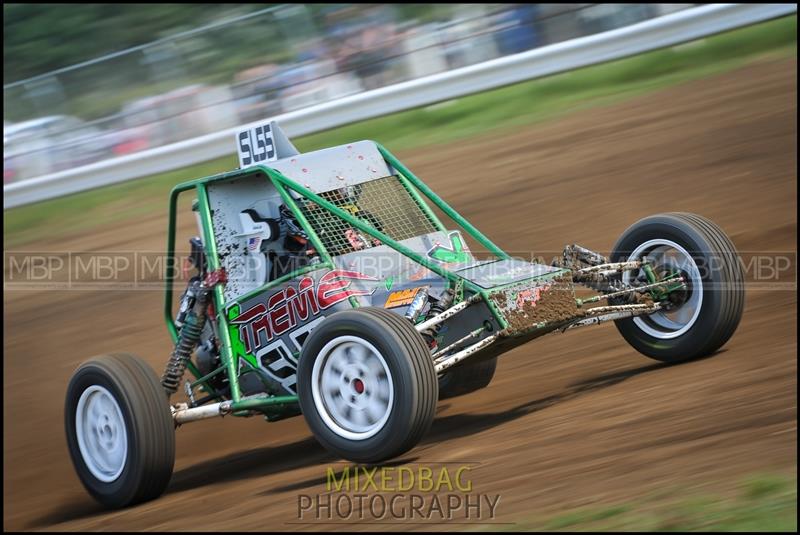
526,306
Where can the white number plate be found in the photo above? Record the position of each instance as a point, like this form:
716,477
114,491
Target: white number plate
255,146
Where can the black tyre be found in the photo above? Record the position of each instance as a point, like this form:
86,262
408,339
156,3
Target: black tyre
466,378
367,385
700,319
120,432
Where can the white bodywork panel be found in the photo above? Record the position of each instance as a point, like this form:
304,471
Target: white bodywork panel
320,171
335,167
246,269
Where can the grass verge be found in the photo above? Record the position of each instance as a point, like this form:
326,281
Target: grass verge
497,110
764,503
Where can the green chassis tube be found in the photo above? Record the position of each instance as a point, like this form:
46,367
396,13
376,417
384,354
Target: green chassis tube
415,187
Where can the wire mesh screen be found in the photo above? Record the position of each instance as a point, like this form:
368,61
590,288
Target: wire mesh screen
385,204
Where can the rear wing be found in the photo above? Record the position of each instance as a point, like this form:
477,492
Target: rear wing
320,171
263,143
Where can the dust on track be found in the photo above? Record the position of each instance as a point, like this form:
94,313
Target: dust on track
570,420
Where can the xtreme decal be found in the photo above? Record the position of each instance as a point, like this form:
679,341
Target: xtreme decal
293,305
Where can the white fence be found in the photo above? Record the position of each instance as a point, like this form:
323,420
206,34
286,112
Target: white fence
656,33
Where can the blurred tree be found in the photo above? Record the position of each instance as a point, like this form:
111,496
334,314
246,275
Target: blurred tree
42,37
38,38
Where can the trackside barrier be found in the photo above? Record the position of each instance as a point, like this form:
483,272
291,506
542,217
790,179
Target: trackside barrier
668,30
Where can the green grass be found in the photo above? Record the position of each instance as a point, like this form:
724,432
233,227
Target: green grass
495,111
763,503
585,516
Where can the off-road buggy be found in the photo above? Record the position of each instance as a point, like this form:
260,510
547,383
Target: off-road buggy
328,284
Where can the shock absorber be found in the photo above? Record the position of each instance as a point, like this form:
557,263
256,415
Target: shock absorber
599,283
188,338
437,308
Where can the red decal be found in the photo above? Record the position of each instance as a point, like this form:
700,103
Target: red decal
286,307
279,313
291,296
244,320
248,315
305,302
334,287
261,324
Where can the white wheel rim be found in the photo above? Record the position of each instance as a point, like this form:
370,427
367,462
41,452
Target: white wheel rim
352,388
676,322
102,437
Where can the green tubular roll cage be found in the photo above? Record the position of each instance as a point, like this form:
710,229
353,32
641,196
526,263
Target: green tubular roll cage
281,183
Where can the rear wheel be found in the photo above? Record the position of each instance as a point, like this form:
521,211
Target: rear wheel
367,385
700,319
120,432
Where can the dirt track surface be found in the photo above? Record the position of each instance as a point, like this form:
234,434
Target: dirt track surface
570,420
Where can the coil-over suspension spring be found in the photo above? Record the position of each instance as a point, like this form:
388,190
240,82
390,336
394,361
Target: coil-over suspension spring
437,308
188,338
600,284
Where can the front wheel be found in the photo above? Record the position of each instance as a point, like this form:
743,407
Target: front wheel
120,432
700,319
367,385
